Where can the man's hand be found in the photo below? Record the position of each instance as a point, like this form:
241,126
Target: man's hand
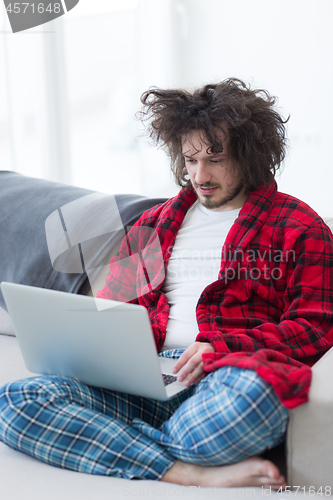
192,364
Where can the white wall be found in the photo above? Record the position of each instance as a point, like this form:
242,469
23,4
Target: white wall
284,46
113,55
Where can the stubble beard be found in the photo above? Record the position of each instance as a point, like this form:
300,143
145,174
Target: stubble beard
208,200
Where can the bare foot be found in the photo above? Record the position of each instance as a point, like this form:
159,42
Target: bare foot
250,472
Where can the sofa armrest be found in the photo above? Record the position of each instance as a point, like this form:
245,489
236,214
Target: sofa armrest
310,432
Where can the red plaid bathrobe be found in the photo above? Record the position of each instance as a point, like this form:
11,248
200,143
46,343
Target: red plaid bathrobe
271,309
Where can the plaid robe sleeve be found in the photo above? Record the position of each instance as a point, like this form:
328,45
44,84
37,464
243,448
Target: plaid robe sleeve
304,329
276,317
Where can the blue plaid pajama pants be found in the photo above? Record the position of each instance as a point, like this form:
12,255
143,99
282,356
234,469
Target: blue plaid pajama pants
230,415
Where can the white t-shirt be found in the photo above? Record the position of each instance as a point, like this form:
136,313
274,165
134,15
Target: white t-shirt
194,263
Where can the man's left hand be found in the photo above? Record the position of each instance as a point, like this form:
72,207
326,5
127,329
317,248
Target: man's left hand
191,363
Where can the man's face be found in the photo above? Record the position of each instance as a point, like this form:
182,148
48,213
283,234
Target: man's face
213,176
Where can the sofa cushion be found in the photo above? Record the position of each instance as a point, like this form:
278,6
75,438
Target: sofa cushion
47,228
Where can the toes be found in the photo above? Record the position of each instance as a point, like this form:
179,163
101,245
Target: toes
271,471
275,483
265,473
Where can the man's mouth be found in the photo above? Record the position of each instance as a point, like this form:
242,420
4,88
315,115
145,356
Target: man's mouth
206,190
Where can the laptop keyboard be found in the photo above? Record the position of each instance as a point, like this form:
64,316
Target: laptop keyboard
168,379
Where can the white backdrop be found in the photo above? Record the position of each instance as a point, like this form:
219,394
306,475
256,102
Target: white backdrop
69,89
285,46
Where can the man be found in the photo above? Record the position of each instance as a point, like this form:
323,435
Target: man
246,306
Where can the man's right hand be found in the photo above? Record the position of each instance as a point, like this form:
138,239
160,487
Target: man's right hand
190,363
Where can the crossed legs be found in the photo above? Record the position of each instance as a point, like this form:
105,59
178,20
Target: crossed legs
203,436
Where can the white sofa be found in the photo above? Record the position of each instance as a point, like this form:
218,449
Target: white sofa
307,461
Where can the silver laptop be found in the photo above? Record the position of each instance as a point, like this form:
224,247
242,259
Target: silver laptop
95,341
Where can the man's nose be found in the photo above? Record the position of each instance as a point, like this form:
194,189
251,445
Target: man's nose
202,174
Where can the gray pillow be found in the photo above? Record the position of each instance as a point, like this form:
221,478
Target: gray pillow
54,235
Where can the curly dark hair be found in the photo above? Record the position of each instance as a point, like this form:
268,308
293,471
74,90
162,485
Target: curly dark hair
256,130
